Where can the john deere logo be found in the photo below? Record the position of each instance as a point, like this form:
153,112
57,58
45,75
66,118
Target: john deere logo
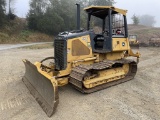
123,44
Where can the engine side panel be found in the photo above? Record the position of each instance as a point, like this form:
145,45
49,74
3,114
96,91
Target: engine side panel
79,48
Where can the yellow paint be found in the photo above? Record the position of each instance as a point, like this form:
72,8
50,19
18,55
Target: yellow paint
85,40
45,74
62,81
73,61
84,59
120,44
126,68
105,76
120,49
108,7
55,81
114,55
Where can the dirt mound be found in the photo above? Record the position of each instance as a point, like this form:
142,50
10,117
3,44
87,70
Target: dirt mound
132,27
154,42
145,34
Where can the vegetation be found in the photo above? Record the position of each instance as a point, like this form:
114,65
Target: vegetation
147,20
6,17
2,12
54,16
45,19
16,31
135,19
49,17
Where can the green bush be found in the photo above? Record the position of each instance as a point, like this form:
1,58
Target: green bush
3,37
25,34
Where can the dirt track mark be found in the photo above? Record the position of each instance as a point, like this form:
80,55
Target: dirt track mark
14,102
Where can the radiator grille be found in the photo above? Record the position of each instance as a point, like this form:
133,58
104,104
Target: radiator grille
60,49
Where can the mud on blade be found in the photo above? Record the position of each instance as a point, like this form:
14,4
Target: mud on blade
42,89
135,46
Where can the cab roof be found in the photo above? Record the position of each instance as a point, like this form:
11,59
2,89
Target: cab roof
102,11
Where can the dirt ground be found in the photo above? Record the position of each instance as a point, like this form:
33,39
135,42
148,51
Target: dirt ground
138,99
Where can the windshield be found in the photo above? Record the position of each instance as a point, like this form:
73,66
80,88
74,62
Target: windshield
118,24
96,24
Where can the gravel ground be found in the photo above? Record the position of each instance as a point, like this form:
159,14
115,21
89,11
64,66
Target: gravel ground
138,99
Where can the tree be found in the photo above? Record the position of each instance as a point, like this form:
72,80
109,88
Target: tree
53,16
37,10
2,12
147,20
11,15
135,19
101,2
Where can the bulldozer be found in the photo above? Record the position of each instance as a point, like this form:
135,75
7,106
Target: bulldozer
87,61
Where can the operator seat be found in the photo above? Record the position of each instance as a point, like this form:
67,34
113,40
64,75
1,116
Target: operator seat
99,42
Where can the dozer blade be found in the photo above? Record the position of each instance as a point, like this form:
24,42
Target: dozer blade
43,90
134,47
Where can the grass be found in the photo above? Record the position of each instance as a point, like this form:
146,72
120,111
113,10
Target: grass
16,32
3,37
25,36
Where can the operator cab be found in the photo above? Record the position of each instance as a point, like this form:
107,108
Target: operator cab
111,23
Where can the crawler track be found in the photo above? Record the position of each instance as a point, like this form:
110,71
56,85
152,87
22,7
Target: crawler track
77,74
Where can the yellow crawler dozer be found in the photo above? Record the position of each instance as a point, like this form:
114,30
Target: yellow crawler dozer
88,61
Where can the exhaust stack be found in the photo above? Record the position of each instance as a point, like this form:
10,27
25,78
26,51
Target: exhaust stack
78,16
